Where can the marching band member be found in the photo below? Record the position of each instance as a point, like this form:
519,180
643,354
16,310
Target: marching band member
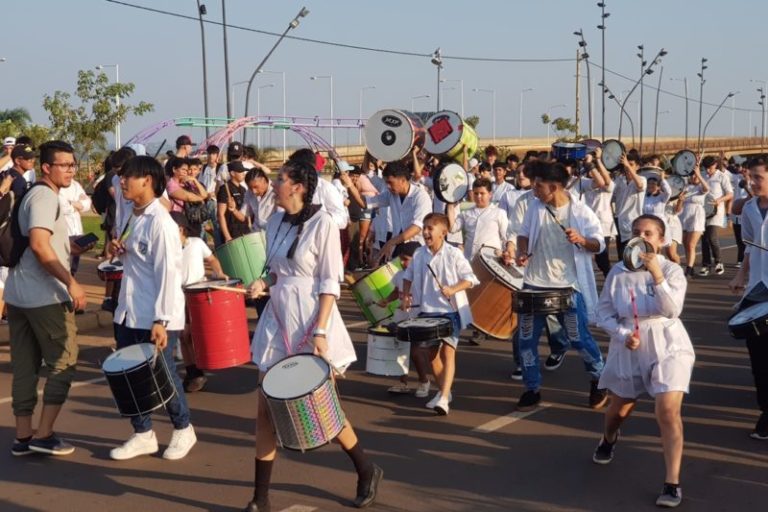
752,281
650,351
628,196
259,198
555,245
484,225
500,184
692,216
305,264
436,280
721,192
151,304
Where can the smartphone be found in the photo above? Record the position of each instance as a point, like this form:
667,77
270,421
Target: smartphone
86,240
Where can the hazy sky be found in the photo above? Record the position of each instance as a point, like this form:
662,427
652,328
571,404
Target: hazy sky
45,42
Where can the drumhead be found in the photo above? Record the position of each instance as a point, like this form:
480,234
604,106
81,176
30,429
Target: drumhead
389,134
111,266
611,156
295,376
451,183
749,314
128,358
420,323
684,162
444,131
710,209
206,285
677,184
592,144
632,252
510,275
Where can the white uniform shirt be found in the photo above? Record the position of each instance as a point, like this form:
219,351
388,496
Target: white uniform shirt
551,263
152,273
518,214
406,212
207,179
599,200
193,258
486,226
755,229
260,209
67,196
499,190
657,205
331,200
629,204
719,186
123,207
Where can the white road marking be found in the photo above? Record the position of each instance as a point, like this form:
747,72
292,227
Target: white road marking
503,421
354,325
299,508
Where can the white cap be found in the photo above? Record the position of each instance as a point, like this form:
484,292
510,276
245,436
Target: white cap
473,162
138,148
9,141
344,166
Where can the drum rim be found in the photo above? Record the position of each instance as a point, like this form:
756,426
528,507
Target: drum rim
318,386
120,372
568,145
631,244
404,113
232,281
110,263
676,156
436,178
747,323
489,269
623,149
442,319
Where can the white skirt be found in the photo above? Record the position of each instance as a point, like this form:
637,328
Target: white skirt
674,229
693,218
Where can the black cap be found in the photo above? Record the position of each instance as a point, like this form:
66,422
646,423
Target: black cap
184,140
235,150
180,219
236,166
23,151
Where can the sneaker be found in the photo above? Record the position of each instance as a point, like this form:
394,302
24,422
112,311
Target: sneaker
195,383
597,397
144,443
704,271
604,451
441,407
719,269
400,389
529,401
737,265
554,361
670,497
422,390
517,374
20,448
51,445
181,442
761,428
368,487
108,305
435,399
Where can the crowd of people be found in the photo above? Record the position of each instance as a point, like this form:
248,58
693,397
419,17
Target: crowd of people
552,220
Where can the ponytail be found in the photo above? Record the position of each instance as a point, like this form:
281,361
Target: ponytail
304,173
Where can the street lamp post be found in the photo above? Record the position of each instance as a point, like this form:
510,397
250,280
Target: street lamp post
258,111
493,109
585,58
330,80
360,113
643,62
461,89
656,117
602,27
232,93
685,91
704,133
622,111
549,116
762,117
282,82
437,60
418,98
646,71
117,101
656,126
202,11
520,115
701,94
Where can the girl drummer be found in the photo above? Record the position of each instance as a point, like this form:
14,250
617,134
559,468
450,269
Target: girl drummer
692,216
649,351
304,265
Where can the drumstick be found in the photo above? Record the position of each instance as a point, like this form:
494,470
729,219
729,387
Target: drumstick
558,222
753,244
235,290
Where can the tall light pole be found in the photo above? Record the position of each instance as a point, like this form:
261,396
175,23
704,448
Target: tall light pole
360,113
585,58
549,116
461,89
656,127
425,96
282,82
520,115
733,115
226,60
258,111
437,60
685,91
492,92
330,80
656,116
117,100
293,24
643,62
232,93
602,27
202,11
762,100
622,111
701,94
704,133
646,71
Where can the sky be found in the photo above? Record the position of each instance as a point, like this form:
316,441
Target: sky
161,55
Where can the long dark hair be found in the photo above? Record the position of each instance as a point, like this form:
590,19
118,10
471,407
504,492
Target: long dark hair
302,172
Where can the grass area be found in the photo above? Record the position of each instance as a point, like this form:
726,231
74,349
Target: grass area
92,224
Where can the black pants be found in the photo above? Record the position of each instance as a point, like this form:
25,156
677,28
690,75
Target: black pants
710,245
739,242
758,356
603,260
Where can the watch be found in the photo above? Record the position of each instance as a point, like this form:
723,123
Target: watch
164,323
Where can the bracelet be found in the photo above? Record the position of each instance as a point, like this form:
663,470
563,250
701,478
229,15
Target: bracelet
320,332
318,335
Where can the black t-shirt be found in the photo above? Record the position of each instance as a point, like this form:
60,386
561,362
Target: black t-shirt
236,227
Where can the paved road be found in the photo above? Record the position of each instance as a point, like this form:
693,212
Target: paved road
482,457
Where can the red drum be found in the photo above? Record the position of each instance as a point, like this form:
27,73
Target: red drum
218,325
110,270
390,135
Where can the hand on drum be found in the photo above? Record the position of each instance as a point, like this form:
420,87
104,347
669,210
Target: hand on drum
521,260
406,300
257,289
633,341
159,336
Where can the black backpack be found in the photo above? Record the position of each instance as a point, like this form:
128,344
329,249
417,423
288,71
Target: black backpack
12,242
101,198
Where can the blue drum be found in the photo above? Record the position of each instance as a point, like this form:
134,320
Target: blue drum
562,151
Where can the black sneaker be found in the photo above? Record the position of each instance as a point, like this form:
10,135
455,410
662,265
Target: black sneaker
108,305
368,487
20,448
193,384
761,428
51,445
517,374
529,401
670,497
554,361
597,397
604,451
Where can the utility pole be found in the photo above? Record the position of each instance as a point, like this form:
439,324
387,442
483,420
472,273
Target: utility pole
578,96
641,55
226,58
656,119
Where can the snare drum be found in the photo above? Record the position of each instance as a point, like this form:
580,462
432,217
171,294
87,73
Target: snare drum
651,172
386,355
424,331
374,287
544,302
750,321
632,251
110,270
684,162
140,382
448,135
451,183
390,135
677,185
491,300
611,156
592,144
569,150
303,402
244,257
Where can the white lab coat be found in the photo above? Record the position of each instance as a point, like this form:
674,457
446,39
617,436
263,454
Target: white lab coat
329,197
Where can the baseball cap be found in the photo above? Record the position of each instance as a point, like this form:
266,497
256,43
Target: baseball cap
9,141
23,151
236,166
139,149
235,149
184,140
344,166
473,162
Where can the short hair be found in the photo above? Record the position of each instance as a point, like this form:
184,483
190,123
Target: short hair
194,161
397,169
482,183
755,162
49,149
484,167
498,164
553,173
255,173
212,149
249,151
653,218
512,158
533,168
142,166
633,156
491,151
708,161
437,218
407,249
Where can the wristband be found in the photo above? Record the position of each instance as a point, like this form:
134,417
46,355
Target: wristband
320,332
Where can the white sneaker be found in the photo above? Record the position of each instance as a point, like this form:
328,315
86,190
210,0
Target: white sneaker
181,442
422,391
144,443
719,269
438,396
441,407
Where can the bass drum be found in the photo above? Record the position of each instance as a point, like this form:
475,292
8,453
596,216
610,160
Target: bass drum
611,156
677,184
492,300
562,151
390,135
451,183
684,162
448,134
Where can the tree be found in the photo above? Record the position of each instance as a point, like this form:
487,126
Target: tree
472,121
18,116
562,125
85,125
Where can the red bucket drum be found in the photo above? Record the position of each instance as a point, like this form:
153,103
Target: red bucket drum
218,324
390,135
